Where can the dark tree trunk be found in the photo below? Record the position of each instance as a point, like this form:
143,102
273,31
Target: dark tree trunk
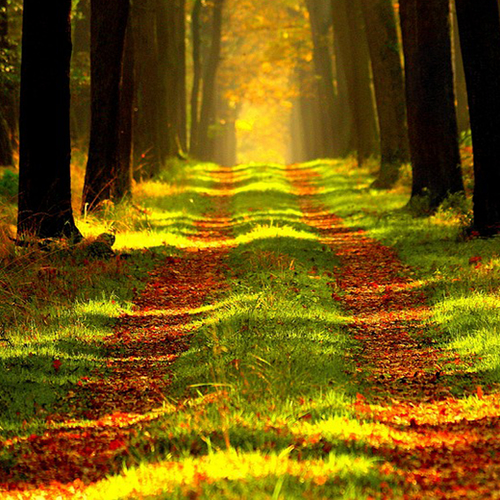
479,26
123,185
343,118
147,155
349,29
430,100
197,73
320,17
6,149
108,26
44,164
172,70
387,71
205,147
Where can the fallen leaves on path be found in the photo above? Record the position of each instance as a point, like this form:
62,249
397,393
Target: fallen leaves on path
440,449
91,441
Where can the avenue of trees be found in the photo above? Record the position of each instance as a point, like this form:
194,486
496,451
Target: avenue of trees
138,83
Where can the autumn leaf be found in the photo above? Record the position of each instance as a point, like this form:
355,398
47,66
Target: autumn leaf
56,364
479,392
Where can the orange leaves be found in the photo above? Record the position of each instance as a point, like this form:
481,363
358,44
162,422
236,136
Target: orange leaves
479,392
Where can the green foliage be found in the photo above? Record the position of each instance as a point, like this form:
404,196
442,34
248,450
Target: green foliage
9,182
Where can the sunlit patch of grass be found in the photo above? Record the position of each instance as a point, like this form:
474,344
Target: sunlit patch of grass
461,277
232,474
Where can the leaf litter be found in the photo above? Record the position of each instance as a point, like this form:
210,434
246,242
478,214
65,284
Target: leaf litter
434,444
442,448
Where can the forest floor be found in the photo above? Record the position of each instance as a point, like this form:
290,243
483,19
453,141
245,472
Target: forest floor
279,352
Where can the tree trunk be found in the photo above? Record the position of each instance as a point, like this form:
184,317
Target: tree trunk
204,150
387,71
80,98
172,70
44,164
180,93
123,185
349,30
147,156
430,101
479,26
463,120
197,73
320,20
108,26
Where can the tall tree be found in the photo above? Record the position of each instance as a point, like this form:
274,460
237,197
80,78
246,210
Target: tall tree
348,28
44,163
197,73
172,76
479,26
430,100
147,120
381,29
320,20
80,91
123,184
6,150
205,140
463,119
108,26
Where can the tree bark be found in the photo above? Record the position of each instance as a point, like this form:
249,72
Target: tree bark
462,103
479,26
172,73
108,26
388,81
205,147
349,30
44,164
197,73
430,101
320,21
123,185
147,155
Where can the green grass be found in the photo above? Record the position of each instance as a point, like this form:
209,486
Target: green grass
57,306
460,276
261,406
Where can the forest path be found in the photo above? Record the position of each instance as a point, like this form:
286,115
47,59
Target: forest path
431,442
439,448
85,445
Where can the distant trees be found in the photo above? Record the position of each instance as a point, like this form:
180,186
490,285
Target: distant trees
204,96
348,93
44,165
320,14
